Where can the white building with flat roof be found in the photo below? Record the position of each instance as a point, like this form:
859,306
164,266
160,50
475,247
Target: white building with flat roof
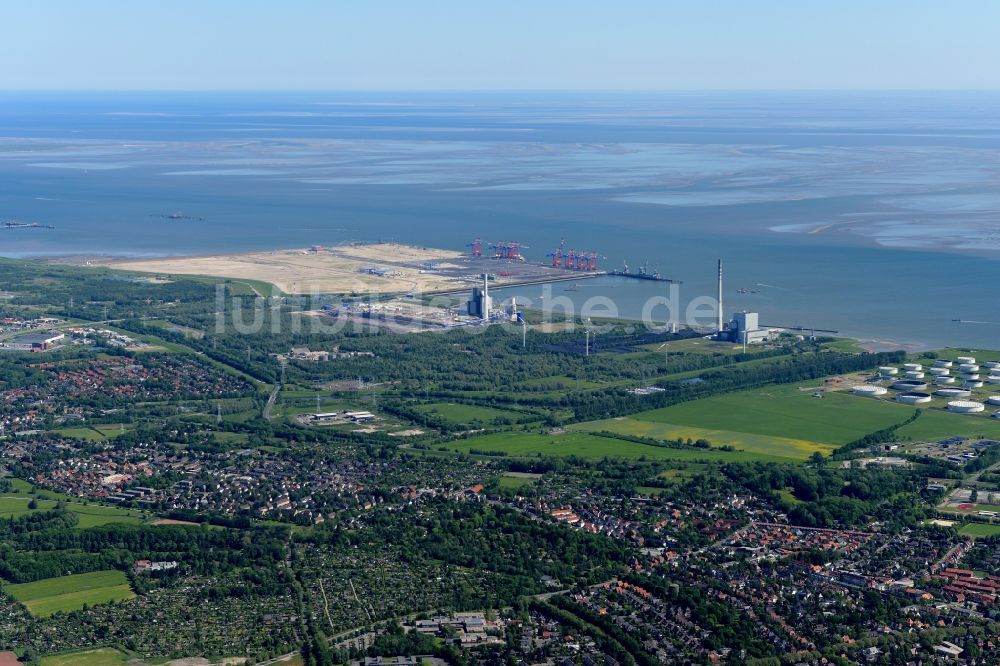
745,328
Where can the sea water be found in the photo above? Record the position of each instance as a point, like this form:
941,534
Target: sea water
875,214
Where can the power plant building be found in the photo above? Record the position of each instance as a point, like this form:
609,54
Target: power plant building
745,328
480,302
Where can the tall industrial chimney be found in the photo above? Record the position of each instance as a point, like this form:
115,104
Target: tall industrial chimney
720,296
487,303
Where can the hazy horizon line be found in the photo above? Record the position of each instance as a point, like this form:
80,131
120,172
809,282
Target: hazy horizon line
557,91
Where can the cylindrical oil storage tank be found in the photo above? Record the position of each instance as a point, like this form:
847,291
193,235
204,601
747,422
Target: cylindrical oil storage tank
996,415
970,376
993,400
942,364
939,372
944,380
912,366
953,393
914,374
966,406
992,364
993,379
869,390
968,367
914,398
888,371
972,383
909,385
965,359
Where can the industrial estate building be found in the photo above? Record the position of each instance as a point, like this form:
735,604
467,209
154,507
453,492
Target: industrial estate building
37,341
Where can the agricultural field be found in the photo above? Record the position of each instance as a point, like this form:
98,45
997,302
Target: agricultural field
585,445
792,449
94,657
790,420
517,480
465,414
90,515
935,424
66,593
95,433
786,411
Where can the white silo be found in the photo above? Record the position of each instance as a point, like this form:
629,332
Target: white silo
913,398
966,406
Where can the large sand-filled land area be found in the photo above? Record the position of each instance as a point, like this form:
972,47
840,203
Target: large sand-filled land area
355,269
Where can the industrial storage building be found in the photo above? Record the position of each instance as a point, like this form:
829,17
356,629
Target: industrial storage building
966,406
914,398
909,385
39,341
869,390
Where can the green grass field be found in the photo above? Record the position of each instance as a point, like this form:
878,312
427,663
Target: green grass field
794,418
465,414
95,433
65,593
93,657
935,424
90,515
514,482
697,346
562,379
584,445
767,445
977,506
981,355
786,411
979,530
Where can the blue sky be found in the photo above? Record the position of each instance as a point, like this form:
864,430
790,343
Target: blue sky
494,45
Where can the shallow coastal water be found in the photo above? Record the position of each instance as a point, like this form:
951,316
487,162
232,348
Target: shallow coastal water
875,215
